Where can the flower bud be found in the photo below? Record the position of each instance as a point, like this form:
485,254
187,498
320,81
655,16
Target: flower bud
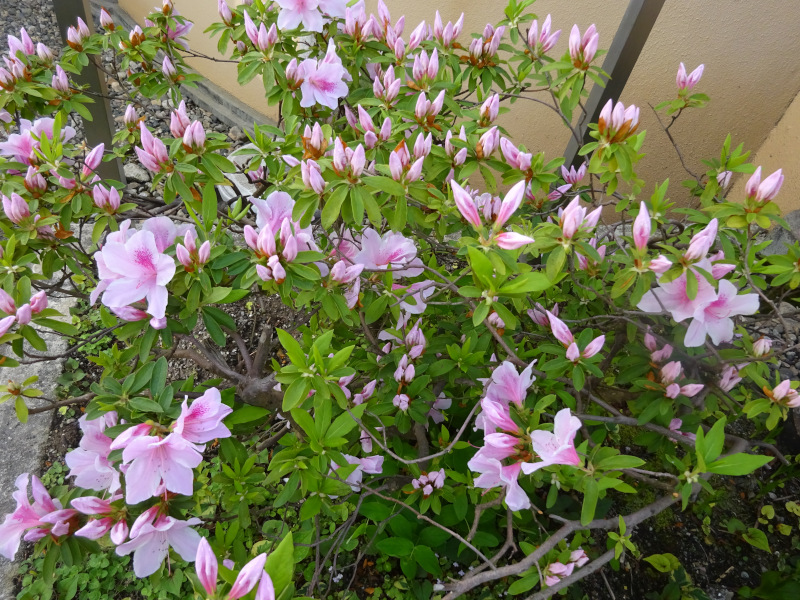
761,347
106,22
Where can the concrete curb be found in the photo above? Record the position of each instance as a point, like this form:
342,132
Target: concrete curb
23,446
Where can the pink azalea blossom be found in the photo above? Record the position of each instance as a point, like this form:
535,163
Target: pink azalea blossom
714,319
153,461
674,298
21,146
295,13
152,540
506,385
89,462
201,422
557,448
388,251
494,474
701,242
641,228
136,270
108,520
323,81
31,517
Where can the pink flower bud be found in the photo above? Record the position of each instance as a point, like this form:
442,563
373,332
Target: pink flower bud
130,119
183,256
7,303
594,347
44,53
510,240
510,204
60,81
92,161
761,347
764,191
702,242
24,314
641,228
466,205
573,354
686,82
206,563
106,22
204,253
6,323
248,577
227,18
38,302
560,329
660,264
16,208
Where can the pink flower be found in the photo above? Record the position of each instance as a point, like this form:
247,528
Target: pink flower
89,462
299,12
109,520
557,571
202,421
154,461
495,414
714,319
388,251
137,270
686,82
179,120
323,81
494,474
674,298
661,264
401,401
539,314
506,385
579,557
557,448
763,191
150,544
30,517
572,176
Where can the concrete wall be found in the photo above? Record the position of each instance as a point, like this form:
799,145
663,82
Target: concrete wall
749,49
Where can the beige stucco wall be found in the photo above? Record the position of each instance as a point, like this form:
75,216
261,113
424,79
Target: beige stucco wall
781,150
749,49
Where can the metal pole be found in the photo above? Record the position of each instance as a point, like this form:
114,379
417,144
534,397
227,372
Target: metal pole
637,22
101,128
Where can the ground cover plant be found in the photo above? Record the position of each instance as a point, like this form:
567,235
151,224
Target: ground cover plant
492,352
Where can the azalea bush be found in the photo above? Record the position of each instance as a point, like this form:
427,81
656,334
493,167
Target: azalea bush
476,327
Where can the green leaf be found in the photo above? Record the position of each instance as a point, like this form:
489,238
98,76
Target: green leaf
590,495
292,347
159,377
145,405
22,409
385,184
619,461
738,464
526,283
296,393
209,208
756,537
395,546
664,563
555,262
427,560
714,441
245,414
333,205
344,423
280,564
